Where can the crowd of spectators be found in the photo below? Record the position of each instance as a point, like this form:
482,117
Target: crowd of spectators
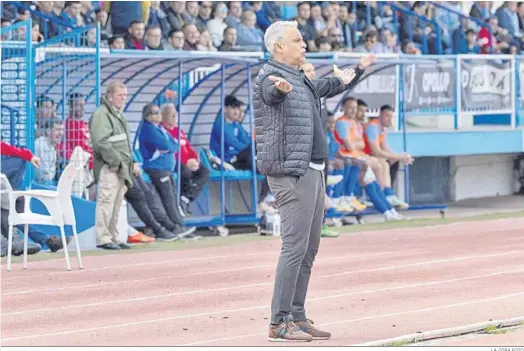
325,25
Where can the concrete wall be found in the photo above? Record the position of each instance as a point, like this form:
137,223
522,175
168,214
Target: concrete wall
482,176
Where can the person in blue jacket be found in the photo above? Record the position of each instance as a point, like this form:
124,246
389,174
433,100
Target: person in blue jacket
157,148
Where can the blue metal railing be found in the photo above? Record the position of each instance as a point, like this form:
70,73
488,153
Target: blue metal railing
409,17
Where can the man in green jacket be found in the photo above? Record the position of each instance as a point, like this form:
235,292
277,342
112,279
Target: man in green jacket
113,164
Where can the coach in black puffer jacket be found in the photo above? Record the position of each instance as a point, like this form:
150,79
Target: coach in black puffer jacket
288,126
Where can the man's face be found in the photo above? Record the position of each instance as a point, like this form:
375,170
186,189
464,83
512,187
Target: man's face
178,6
343,13
231,113
170,117
292,47
408,49
155,116
137,31
205,9
24,16
57,133
385,118
118,44
45,6
177,40
221,11
304,11
154,37
192,8
46,110
191,34
520,10
350,109
315,12
77,108
235,9
101,17
249,19
512,6
361,112
387,36
35,33
230,37
119,97
471,37
240,114
73,10
309,70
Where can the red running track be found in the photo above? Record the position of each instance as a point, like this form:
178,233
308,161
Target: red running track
365,287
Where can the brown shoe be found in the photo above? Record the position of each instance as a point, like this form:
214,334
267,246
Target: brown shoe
287,331
307,327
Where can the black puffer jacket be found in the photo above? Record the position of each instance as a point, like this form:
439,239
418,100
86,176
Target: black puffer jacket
284,131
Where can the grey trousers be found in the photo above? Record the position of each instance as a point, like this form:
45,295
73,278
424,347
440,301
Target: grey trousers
301,206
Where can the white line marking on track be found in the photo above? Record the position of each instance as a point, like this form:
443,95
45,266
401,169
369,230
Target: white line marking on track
156,297
208,272
404,231
386,315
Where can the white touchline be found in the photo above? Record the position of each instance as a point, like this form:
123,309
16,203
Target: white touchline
208,272
374,317
404,231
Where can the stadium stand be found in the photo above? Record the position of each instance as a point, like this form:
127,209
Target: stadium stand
195,54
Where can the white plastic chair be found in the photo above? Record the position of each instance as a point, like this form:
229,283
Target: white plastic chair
60,207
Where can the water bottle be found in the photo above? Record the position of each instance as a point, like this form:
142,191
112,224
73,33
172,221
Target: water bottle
276,225
270,220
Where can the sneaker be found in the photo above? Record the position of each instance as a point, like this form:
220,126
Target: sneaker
55,242
183,231
334,179
327,233
307,327
18,245
124,246
397,203
165,235
109,246
287,331
341,205
346,220
390,216
397,215
139,238
354,203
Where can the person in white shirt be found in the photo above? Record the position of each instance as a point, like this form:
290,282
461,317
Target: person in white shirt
46,148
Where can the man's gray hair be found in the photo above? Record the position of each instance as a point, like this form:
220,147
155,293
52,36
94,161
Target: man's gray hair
275,33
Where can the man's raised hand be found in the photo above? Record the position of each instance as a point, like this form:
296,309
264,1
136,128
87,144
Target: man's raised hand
346,75
366,61
281,84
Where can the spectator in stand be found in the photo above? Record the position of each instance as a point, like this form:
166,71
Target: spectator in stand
230,41
205,43
247,33
346,21
154,38
234,16
315,18
465,40
124,13
46,150
194,175
497,40
102,18
481,10
175,41
192,10
408,48
217,25
204,14
192,36
134,38
520,12
86,13
262,19
45,110
71,14
147,204
113,164
158,18
76,129
158,148
22,14
117,43
308,32
418,29
177,15
48,29
508,18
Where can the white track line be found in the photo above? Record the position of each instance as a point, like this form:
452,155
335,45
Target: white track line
464,231
193,292
208,272
203,314
387,315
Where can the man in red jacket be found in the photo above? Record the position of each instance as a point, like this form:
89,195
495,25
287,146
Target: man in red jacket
194,175
13,163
